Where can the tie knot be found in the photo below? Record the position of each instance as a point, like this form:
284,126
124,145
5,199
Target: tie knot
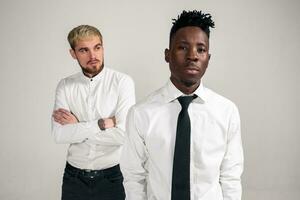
185,101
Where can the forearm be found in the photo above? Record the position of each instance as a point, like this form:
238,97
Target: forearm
102,131
134,172
232,164
108,136
66,128
74,133
133,159
230,180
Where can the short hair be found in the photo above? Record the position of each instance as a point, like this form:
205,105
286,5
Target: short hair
192,18
80,32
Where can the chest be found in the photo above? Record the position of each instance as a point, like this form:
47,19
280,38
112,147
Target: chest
208,131
90,101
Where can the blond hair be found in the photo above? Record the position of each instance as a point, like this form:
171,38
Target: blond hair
81,32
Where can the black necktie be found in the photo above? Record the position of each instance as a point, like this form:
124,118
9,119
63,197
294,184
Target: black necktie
181,164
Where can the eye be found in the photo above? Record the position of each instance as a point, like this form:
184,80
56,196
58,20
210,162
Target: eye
98,47
201,50
182,47
82,50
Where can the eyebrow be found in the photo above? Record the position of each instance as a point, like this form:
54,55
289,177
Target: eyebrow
99,44
185,42
85,48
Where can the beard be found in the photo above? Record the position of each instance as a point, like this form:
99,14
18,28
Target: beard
185,82
189,83
93,71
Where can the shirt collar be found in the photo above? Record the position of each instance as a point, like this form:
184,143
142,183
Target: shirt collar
171,93
95,78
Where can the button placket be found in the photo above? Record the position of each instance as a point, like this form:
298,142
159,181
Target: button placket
90,98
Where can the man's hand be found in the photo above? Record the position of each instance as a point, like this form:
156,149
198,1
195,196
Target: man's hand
63,116
106,123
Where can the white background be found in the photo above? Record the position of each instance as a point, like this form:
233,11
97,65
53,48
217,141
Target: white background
255,62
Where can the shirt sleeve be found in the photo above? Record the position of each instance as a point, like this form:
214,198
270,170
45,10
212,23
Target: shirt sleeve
70,133
232,164
133,159
115,135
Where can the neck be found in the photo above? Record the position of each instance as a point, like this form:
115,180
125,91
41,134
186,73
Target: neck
186,87
91,75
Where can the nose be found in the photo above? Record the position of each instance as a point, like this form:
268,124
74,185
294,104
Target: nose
92,54
192,54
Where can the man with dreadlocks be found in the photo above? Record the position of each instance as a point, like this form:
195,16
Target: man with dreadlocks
184,142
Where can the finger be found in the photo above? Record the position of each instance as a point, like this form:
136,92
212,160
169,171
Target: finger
58,113
65,116
113,119
59,121
108,123
68,115
56,116
64,121
60,110
64,111
55,119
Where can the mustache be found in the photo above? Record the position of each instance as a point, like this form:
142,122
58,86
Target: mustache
192,65
93,61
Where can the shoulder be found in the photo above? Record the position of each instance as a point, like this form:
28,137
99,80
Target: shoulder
69,80
220,103
117,76
217,98
73,77
141,112
152,102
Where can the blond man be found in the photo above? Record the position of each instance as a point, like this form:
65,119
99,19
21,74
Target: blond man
89,114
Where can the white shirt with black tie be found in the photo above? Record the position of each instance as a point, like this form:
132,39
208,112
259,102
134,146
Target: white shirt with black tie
216,147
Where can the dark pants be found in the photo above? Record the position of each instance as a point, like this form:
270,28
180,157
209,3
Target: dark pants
104,184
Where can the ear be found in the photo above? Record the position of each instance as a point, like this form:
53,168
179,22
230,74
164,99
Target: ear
72,52
167,55
209,55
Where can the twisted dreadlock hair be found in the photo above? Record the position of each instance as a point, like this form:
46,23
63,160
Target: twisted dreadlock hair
192,18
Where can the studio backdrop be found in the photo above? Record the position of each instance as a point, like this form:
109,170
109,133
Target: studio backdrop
255,62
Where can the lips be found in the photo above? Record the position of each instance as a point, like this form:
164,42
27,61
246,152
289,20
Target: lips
92,62
191,68
191,71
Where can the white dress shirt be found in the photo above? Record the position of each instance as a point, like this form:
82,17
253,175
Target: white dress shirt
216,147
108,94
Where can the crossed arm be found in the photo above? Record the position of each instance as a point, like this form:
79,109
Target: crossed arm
63,117
67,128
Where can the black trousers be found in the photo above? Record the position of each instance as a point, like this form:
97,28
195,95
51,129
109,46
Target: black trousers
104,184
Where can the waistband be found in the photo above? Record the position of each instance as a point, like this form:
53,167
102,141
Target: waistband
93,173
